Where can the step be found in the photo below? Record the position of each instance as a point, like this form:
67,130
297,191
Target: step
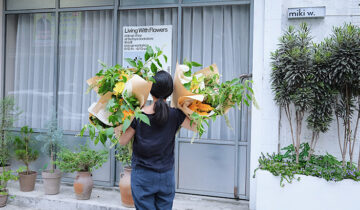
103,198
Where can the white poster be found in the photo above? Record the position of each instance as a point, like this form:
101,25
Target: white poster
137,38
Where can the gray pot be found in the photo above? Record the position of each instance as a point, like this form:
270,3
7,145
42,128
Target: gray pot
3,199
7,168
51,182
83,185
27,181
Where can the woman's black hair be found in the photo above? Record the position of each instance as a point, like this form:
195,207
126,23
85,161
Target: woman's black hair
162,88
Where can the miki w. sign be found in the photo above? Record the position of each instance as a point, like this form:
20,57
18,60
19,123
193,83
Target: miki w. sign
306,12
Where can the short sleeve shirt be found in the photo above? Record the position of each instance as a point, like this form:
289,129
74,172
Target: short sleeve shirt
153,146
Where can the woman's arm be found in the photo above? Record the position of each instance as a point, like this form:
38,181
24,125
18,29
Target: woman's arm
186,124
127,136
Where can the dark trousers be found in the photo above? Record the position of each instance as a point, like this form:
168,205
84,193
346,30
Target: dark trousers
152,190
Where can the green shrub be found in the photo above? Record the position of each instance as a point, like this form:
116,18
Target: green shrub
23,147
6,176
322,166
84,159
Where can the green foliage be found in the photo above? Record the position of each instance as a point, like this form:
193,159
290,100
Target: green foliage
9,113
5,176
291,68
151,65
23,147
322,166
52,140
111,76
321,104
83,159
124,154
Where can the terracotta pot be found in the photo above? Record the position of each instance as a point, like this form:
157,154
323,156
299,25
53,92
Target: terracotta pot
125,188
27,181
51,182
83,185
7,168
3,199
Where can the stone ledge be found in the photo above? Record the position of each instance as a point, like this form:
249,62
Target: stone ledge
108,199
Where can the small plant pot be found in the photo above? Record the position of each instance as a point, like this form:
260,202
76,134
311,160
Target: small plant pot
3,199
27,181
125,188
7,168
83,185
51,182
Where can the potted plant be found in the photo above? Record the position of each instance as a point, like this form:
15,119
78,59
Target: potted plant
9,113
5,176
26,154
123,155
83,161
52,141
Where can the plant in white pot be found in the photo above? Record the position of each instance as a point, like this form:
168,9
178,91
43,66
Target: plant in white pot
123,154
26,154
5,176
9,113
52,141
82,161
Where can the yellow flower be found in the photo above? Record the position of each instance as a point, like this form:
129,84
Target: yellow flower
119,87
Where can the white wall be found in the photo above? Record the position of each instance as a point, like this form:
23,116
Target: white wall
270,20
1,47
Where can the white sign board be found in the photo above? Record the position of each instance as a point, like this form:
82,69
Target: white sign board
306,12
137,38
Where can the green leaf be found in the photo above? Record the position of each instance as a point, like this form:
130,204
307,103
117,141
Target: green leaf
153,68
187,85
109,132
150,50
211,68
165,58
126,124
193,63
158,62
131,62
187,74
147,56
144,119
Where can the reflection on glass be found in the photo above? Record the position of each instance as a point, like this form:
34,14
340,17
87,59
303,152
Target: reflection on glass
30,65
84,38
145,2
29,4
85,3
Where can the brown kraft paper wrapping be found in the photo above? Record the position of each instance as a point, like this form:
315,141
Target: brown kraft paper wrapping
182,97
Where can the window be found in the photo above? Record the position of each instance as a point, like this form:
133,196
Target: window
218,34
30,64
84,39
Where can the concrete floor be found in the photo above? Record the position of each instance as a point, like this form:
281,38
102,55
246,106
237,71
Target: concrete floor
107,199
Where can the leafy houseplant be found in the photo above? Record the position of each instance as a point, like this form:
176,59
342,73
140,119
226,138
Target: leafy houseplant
83,161
290,77
344,75
52,141
321,101
5,176
9,113
25,153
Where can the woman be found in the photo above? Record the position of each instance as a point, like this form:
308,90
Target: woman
152,177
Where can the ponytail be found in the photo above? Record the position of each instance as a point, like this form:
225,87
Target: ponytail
161,112
161,89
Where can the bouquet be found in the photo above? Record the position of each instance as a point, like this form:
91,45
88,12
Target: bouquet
123,92
201,96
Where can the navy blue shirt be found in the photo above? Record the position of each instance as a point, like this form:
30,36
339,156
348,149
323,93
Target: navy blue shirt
153,146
